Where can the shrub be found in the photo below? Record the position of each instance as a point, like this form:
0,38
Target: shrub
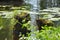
49,33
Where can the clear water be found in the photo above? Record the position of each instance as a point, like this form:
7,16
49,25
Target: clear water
34,7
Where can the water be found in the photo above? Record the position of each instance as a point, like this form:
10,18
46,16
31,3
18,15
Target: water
34,8
47,4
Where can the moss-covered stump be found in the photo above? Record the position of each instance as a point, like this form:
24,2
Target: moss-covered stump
18,27
43,22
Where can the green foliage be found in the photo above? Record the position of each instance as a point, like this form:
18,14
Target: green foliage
5,31
6,27
49,33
